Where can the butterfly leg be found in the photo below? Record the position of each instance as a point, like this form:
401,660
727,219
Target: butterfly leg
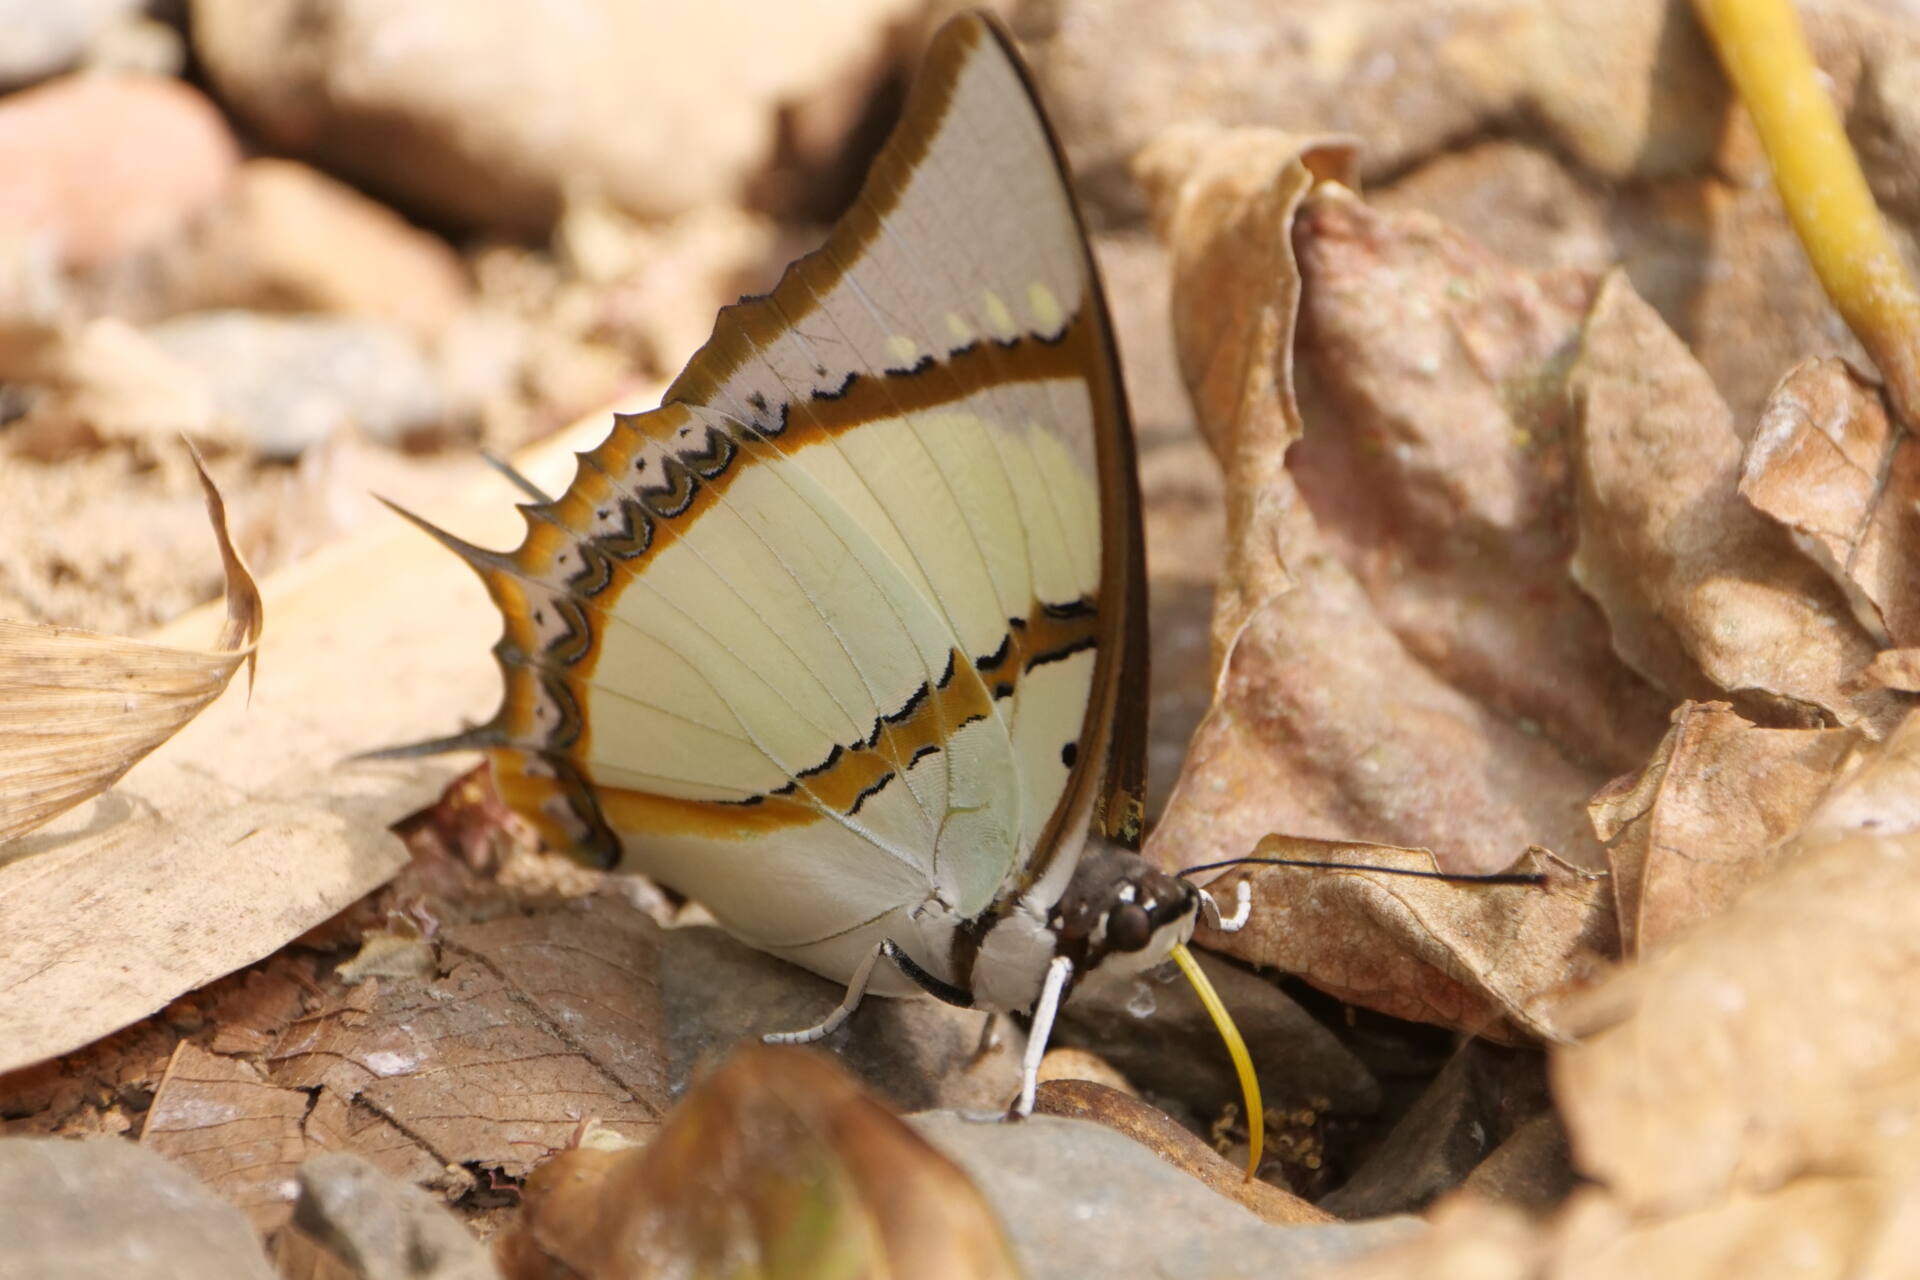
1242,908
857,988
989,1036
1059,970
848,1003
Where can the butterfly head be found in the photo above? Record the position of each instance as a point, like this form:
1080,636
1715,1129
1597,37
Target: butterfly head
1120,914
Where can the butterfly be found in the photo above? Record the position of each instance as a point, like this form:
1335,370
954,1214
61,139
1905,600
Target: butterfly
847,640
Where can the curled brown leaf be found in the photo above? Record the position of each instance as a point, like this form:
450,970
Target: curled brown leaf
1779,1040
1707,816
1437,462
1324,723
78,709
1484,959
1829,462
1703,596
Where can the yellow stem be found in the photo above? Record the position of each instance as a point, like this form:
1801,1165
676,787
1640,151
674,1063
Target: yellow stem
1765,55
1236,1049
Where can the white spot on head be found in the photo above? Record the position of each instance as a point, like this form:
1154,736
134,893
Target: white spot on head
999,319
902,350
1046,307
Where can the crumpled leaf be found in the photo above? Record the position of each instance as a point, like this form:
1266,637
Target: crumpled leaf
1485,959
1436,463
78,709
1746,1101
1815,1229
1707,815
1326,724
1893,669
777,1165
1323,723
1780,1039
1224,203
1828,461
1704,596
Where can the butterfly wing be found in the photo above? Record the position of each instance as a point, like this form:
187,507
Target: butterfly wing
846,622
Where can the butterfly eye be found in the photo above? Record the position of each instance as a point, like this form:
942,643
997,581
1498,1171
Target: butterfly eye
1129,928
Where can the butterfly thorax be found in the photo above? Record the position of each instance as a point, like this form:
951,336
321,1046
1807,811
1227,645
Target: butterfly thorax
1117,916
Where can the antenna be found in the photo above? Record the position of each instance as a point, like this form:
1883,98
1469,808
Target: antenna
1535,878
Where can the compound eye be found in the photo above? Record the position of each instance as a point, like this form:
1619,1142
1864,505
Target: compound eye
1129,928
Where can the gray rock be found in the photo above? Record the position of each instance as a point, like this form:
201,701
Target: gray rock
1080,1200
105,1209
1397,73
489,112
383,1228
40,38
1175,1053
1481,1097
916,1054
284,383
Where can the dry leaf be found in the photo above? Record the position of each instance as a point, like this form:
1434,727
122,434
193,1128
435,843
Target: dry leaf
775,1166
1780,1039
1828,461
1323,723
539,1023
1893,669
1704,596
244,831
1836,1228
78,709
1437,461
1484,959
1224,204
235,1130
1706,816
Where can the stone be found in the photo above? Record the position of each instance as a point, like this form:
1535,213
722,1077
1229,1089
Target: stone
1531,1170
105,1209
915,1053
1483,1096
1080,1200
284,383
383,1228
41,38
1406,76
104,380
101,166
486,114
1174,1054
287,238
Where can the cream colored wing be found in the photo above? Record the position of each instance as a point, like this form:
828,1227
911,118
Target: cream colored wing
835,629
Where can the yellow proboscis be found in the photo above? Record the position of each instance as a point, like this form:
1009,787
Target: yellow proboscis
1236,1049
